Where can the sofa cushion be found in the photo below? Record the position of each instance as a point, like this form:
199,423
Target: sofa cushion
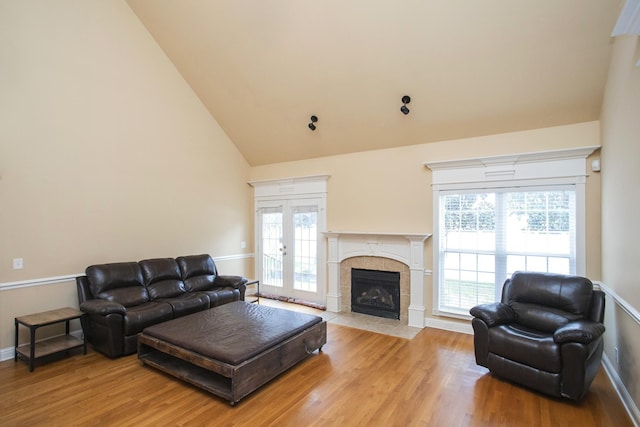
199,283
129,297
139,317
220,296
118,282
188,303
162,278
198,272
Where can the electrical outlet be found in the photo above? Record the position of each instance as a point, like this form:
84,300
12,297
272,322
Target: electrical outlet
243,245
18,263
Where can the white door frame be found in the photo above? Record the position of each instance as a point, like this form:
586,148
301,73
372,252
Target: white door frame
298,188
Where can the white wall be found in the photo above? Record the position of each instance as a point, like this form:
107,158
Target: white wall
620,213
390,190
106,154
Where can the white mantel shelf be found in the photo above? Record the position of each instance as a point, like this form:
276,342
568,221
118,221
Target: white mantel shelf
423,236
407,248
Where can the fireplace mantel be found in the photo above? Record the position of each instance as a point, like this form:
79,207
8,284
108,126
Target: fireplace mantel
407,248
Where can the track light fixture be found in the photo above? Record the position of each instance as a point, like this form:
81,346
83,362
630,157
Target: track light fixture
405,100
312,125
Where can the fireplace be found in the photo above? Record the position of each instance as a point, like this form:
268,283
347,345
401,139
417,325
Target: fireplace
375,292
405,249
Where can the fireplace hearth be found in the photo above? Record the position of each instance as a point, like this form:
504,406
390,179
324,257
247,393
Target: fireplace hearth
375,292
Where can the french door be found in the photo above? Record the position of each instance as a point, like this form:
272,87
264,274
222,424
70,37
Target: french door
288,247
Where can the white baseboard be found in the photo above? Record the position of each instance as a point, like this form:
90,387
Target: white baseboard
6,354
448,325
621,390
9,352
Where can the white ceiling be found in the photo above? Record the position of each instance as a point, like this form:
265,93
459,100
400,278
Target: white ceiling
472,68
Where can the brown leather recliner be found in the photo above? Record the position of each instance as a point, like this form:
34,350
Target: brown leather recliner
545,334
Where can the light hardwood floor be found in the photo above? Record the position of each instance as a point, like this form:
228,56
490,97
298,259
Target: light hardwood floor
360,378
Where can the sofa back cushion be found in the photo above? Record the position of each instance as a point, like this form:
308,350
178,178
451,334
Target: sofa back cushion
162,277
545,301
120,282
198,272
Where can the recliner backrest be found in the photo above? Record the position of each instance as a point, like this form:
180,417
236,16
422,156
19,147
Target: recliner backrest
118,282
162,277
198,272
546,301
597,306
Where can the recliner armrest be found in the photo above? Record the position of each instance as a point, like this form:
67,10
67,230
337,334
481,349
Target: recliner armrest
102,307
581,331
233,281
494,314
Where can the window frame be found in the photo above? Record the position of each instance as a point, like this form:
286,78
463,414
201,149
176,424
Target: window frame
538,169
500,253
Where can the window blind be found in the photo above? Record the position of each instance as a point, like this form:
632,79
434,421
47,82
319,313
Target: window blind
486,235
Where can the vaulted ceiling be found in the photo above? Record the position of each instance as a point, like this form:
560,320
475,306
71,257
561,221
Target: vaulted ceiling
471,68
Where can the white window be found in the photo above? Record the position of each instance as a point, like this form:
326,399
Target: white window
487,235
494,216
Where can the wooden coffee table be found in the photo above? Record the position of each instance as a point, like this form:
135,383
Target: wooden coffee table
233,349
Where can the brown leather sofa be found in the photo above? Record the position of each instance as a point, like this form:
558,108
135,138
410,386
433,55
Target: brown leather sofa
121,299
546,333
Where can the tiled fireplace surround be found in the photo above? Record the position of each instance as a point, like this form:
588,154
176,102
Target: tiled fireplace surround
378,251
375,263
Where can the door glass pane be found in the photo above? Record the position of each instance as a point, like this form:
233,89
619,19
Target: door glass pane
272,248
305,223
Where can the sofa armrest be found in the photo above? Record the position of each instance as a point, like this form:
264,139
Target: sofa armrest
580,331
493,314
102,307
229,281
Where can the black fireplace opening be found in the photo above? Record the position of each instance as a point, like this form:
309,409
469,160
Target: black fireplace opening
375,292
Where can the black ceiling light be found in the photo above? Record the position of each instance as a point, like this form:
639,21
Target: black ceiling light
312,125
405,100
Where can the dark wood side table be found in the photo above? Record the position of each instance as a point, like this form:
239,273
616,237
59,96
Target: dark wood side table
49,346
257,294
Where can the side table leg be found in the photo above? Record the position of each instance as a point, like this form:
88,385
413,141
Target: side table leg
16,347
32,350
84,337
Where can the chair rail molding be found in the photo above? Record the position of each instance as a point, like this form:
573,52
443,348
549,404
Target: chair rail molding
41,281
